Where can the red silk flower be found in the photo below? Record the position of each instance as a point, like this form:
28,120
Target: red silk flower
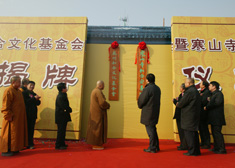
142,45
114,44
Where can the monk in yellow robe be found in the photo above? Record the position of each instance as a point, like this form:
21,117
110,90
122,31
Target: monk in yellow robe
14,124
97,122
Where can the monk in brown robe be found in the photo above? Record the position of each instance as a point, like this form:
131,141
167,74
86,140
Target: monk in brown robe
97,122
14,124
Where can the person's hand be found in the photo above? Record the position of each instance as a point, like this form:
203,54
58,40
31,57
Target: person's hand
208,99
205,108
37,97
175,101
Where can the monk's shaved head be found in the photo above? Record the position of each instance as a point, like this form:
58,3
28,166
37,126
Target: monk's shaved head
100,84
16,82
15,78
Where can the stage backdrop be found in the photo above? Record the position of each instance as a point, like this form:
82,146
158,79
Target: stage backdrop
48,51
204,48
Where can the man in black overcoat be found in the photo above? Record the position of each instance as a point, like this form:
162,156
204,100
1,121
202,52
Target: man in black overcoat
32,100
149,102
62,115
203,126
177,116
190,105
216,117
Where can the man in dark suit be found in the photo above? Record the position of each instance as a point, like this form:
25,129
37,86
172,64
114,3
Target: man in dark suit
149,102
190,105
203,126
62,115
216,117
177,116
31,100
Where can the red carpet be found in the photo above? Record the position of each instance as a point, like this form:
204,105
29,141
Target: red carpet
118,153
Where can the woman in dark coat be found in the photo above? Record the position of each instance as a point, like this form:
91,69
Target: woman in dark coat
177,116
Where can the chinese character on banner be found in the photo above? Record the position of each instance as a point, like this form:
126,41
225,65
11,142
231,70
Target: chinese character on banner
214,47
114,69
142,60
29,42
61,44
198,45
45,44
181,44
56,74
8,70
230,45
2,42
14,44
77,44
198,73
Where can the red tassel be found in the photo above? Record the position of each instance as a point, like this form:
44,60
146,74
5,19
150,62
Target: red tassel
148,57
119,67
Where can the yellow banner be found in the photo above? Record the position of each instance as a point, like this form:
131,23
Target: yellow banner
204,48
47,50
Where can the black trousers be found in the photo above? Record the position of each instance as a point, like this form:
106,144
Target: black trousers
218,138
153,137
192,140
31,125
61,133
204,133
183,143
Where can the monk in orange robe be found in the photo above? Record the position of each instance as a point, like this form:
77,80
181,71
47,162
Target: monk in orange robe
14,124
97,122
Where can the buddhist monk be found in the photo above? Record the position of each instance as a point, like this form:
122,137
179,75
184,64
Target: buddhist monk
14,124
97,122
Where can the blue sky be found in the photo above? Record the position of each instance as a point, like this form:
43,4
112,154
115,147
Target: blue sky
108,12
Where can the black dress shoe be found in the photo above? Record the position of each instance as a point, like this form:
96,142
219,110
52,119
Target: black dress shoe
149,151
7,154
212,150
220,152
65,145
181,148
188,154
158,149
205,147
60,148
15,152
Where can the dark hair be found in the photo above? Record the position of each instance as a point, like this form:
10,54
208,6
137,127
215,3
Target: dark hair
25,81
216,84
205,83
61,86
32,82
151,78
183,86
